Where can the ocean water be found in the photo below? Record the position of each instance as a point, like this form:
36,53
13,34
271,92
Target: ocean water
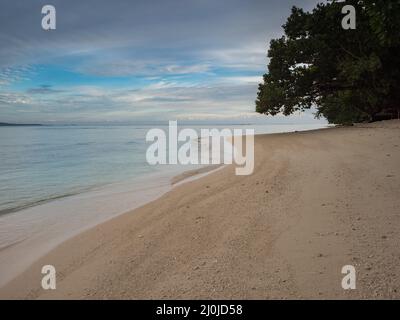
39,164
43,163
56,181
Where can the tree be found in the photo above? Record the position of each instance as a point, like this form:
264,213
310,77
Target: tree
349,75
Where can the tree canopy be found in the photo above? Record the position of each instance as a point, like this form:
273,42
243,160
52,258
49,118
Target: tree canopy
348,75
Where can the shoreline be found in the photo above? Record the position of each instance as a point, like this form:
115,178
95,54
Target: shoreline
27,254
26,247
220,237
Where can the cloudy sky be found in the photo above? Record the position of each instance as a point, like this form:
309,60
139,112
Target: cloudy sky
125,60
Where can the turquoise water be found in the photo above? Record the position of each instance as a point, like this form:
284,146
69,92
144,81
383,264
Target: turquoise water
42,163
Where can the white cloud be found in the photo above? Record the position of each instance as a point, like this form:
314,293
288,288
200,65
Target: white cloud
242,79
9,75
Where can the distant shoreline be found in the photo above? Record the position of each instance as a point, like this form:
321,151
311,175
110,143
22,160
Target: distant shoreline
5,124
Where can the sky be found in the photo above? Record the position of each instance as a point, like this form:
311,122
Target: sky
125,61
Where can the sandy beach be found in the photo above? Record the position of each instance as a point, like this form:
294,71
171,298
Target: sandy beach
317,201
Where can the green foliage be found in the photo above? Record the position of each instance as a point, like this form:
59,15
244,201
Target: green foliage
349,75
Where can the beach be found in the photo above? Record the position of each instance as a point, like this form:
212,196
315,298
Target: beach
317,201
